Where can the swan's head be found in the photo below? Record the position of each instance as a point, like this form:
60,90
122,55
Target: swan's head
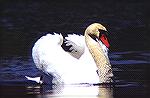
98,32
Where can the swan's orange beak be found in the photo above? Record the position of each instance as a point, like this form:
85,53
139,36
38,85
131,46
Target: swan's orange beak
104,40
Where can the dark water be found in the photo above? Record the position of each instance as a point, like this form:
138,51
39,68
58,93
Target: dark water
129,70
22,22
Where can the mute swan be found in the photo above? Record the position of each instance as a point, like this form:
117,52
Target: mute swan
75,59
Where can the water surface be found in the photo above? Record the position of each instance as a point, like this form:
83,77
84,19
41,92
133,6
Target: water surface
129,68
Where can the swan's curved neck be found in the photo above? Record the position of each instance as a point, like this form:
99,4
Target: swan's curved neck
102,61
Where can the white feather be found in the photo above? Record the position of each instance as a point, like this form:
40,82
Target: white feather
35,79
49,57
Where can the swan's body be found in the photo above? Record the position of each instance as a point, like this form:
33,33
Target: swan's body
80,63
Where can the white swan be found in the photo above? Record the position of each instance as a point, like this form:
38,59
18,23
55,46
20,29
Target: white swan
75,59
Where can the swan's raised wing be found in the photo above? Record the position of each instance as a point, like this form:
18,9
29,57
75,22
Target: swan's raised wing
74,45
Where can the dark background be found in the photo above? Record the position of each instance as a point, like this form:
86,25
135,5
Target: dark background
22,22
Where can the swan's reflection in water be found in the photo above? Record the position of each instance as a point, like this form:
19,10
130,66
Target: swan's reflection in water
72,91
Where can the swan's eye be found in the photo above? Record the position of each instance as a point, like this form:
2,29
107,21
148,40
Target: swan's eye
103,36
103,32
